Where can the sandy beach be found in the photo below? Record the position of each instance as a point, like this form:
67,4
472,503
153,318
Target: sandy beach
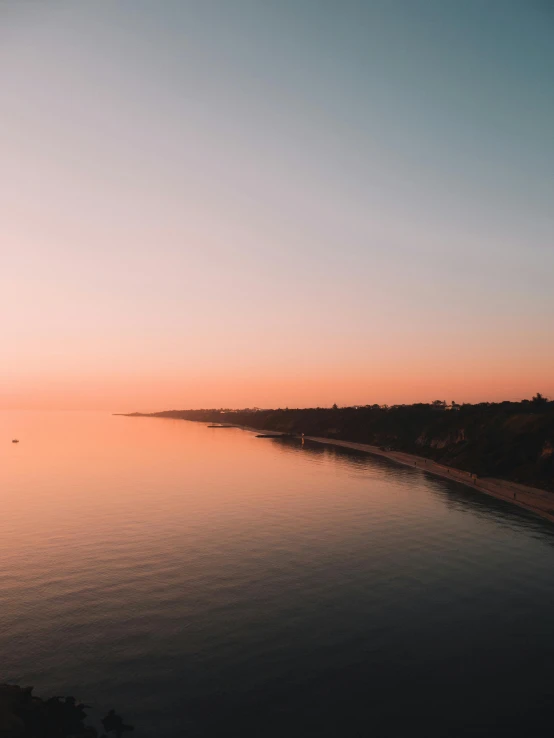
535,500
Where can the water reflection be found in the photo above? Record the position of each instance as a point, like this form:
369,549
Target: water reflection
204,582
459,496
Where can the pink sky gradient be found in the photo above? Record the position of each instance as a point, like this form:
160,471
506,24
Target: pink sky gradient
196,213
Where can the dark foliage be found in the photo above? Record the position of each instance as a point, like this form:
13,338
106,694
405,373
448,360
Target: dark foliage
509,440
22,715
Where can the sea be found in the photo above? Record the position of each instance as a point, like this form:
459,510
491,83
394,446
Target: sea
205,582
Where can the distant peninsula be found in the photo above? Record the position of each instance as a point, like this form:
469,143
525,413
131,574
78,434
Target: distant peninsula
513,441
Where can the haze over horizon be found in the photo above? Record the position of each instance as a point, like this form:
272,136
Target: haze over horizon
275,203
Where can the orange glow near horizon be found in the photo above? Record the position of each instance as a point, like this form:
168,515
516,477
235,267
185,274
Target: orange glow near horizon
174,236
285,389
162,467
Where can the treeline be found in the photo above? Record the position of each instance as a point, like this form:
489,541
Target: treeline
510,440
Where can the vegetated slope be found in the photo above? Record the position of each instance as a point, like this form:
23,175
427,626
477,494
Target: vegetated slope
507,440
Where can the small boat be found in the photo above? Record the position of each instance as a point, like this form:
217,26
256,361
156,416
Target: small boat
15,440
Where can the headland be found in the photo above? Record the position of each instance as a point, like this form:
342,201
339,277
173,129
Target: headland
502,449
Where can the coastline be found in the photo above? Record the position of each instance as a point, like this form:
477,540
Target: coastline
535,500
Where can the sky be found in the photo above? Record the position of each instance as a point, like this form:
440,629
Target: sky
230,203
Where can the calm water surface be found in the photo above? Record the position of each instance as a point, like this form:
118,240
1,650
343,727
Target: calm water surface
206,582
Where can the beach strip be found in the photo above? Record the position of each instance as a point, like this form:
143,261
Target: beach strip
535,500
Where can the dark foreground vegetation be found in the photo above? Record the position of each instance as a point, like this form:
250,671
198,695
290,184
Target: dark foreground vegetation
23,715
507,440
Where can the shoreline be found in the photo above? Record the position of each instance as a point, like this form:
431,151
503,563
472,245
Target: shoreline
534,500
